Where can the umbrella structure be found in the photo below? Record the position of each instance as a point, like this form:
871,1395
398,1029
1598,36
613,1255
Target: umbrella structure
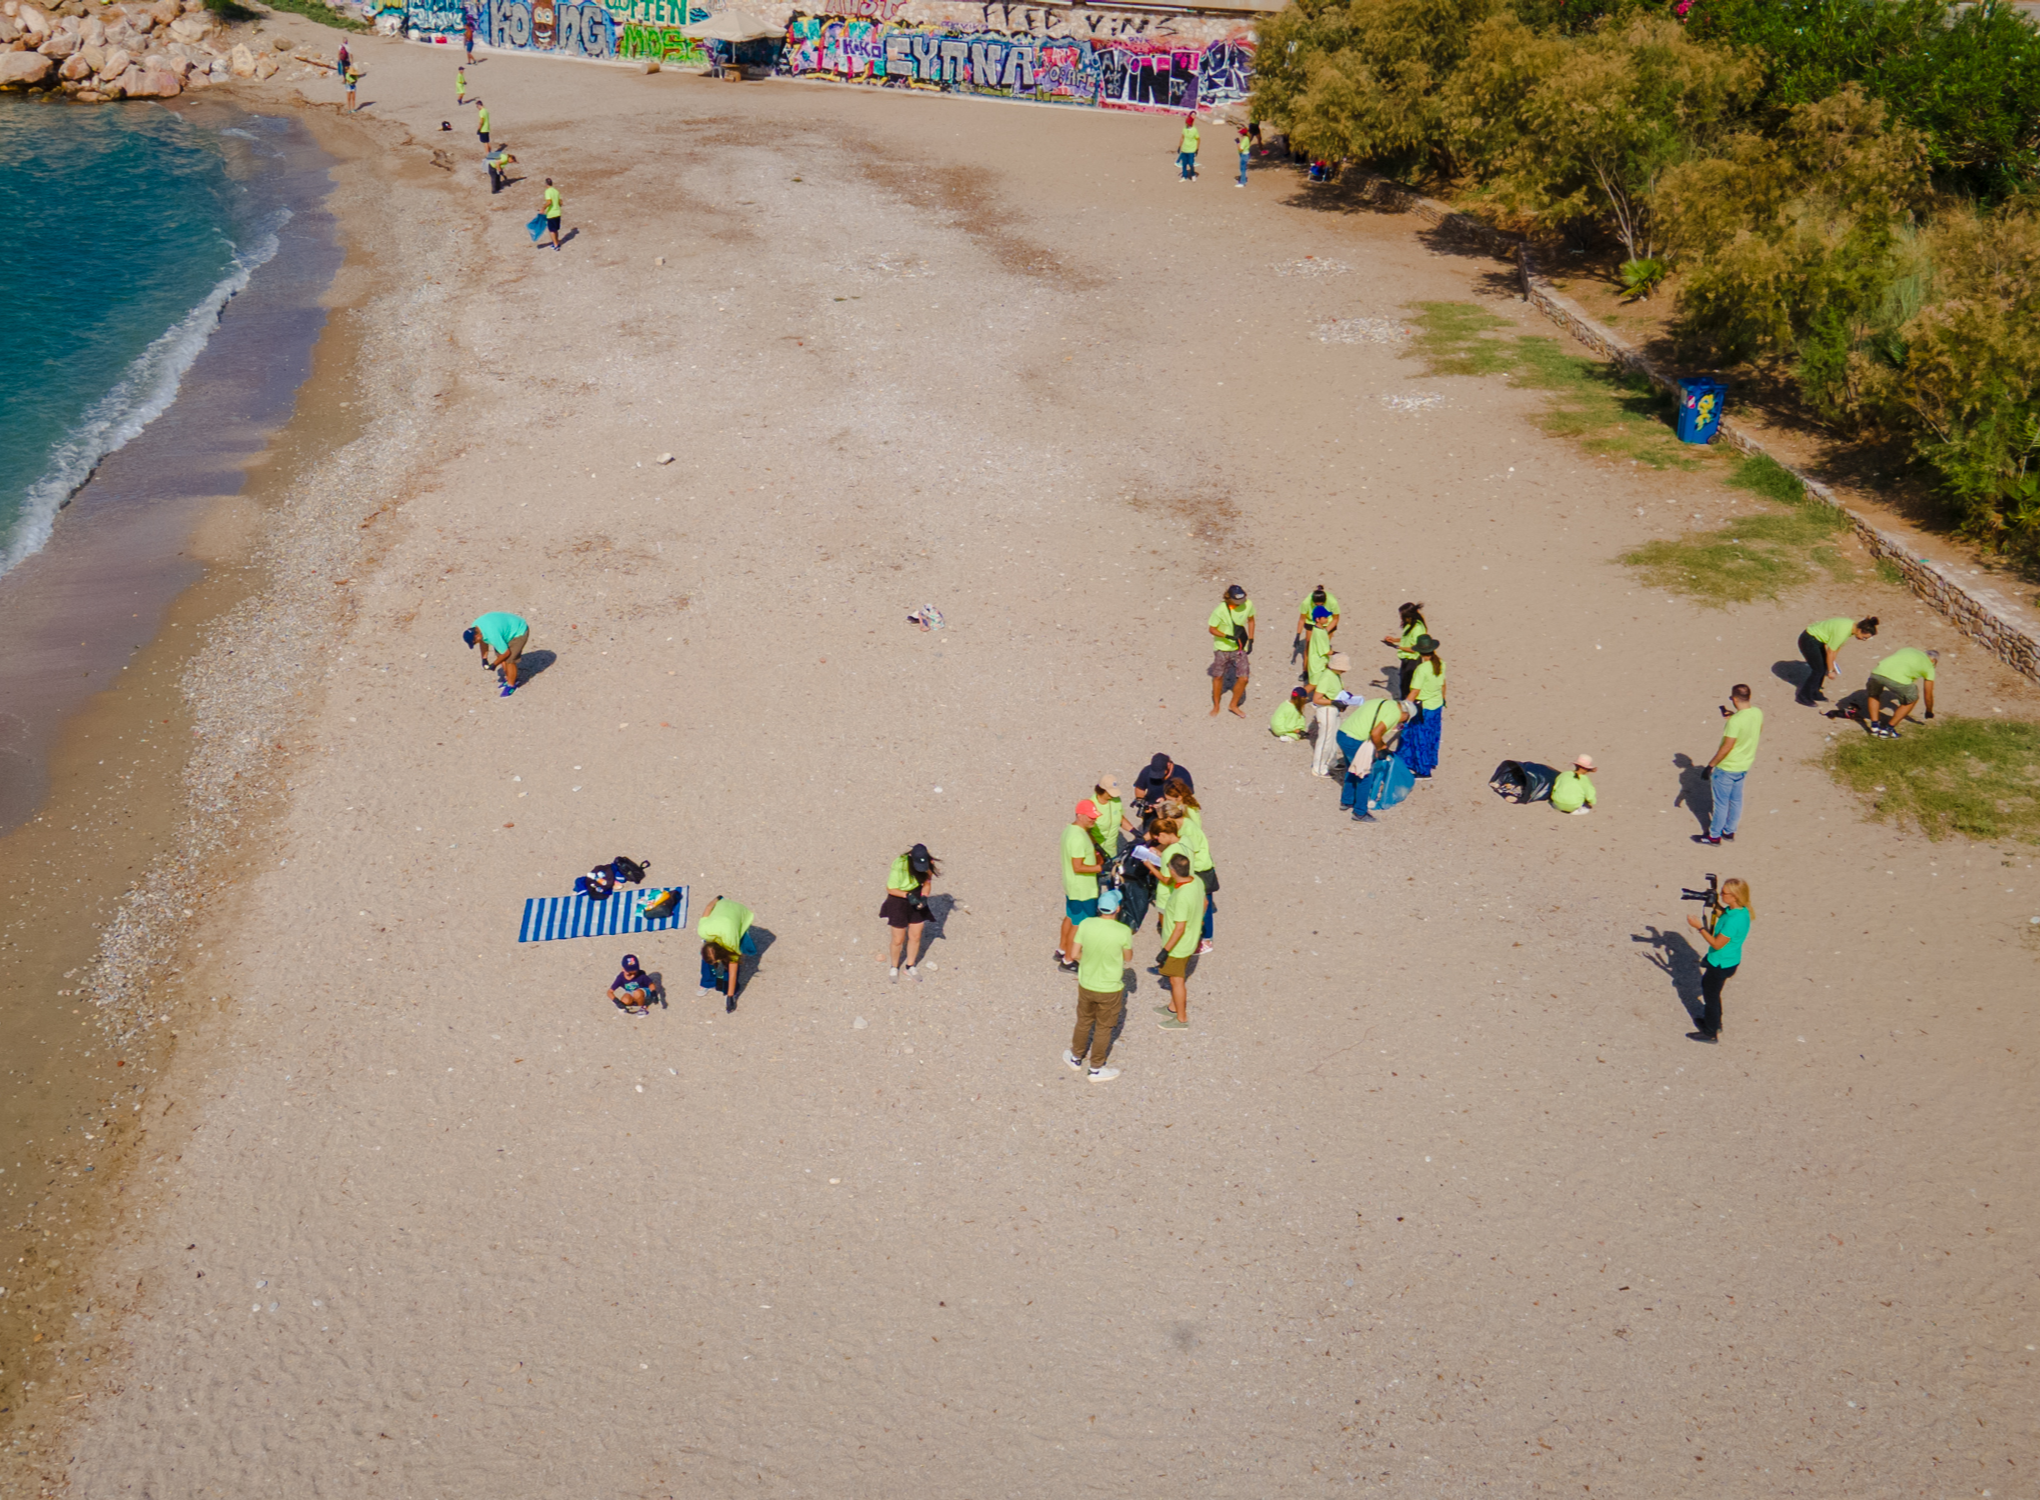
732,26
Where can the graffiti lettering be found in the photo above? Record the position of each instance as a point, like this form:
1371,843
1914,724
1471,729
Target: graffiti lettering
1156,71
582,28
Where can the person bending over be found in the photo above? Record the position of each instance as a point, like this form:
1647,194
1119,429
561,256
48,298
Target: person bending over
726,941
1821,644
1900,678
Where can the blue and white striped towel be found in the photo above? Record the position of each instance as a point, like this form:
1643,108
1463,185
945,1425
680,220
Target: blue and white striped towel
547,918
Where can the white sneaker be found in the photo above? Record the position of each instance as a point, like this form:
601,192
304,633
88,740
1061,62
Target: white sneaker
1074,1062
913,973
1104,1075
895,973
1203,947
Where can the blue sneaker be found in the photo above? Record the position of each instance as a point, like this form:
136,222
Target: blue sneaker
507,691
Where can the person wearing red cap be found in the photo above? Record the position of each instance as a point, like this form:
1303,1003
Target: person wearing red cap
1186,149
1081,861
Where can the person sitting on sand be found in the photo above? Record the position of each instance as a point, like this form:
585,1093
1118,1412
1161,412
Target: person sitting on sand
1289,722
502,637
1573,790
632,989
726,941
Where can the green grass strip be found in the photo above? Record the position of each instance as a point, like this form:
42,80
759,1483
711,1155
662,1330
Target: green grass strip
1975,777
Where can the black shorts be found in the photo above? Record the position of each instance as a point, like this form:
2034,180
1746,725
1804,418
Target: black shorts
553,225
484,135
900,911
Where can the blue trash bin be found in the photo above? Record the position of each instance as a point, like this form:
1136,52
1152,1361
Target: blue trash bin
1700,403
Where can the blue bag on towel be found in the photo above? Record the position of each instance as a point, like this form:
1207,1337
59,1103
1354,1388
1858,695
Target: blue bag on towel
1389,782
537,228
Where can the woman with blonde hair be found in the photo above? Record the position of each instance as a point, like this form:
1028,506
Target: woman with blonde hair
1190,823
1724,930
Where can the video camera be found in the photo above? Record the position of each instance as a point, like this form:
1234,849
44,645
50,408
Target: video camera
1711,895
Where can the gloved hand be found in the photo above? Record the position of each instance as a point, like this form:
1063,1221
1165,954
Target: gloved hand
1707,773
1930,713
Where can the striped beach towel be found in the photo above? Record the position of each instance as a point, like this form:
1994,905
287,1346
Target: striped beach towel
547,918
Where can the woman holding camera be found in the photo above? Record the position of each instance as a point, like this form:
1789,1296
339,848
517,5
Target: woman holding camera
905,910
1724,932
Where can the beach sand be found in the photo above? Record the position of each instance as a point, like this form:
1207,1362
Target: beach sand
1434,1195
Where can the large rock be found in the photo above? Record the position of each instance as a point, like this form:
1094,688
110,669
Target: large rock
25,69
93,57
93,32
60,46
166,11
266,66
241,62
114,63
34,23
190,28
76,68
157,83
9,32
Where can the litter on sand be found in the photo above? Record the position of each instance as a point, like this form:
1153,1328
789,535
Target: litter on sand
1365,331
1422,401
928,617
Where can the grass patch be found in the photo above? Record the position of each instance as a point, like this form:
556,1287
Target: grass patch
1761,474
1609,410
1761,557
233,12
1976,777
1889,571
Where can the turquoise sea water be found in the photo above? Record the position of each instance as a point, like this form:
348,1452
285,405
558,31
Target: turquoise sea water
130,228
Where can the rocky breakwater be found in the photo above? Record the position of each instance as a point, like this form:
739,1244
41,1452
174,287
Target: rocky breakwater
94,52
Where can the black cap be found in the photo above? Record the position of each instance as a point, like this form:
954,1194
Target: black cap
918,857
1235,592
1160,763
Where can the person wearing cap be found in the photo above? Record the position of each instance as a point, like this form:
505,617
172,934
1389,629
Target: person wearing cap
1182,918
1413,627
1112,819
1900,678
1364,736
1232,638
1289,722
1821,644
1427,726
905,909
726,941
1081,862
1573,790
502,637
1733,758
1326,686
632,989
1155,777
1318,611
1186,149
1104,944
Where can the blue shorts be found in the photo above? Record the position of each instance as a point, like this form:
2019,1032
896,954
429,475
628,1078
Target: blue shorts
1076,911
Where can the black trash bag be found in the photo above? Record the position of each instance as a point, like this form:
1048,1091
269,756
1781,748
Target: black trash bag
628,870
1523,781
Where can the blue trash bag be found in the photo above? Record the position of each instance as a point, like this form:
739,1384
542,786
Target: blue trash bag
1700,403
537,228
1389,782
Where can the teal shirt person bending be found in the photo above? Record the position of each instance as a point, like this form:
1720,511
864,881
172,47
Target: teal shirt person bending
502,638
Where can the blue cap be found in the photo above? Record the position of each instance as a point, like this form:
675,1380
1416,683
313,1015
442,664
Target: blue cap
1108,902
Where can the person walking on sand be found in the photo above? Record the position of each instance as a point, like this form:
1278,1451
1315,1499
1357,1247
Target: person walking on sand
460,85
467,35
502,637
726,941
1821,644
1405,644
1182,916
1186,148
1246,144
1104,944
1732,761
482,124
1232,638
905,910
553,210
1326,688
353,77
1426,690
1572,791
1365,734
1081,862
1723,932
1899,678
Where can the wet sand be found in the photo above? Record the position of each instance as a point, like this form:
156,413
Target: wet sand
1433,1195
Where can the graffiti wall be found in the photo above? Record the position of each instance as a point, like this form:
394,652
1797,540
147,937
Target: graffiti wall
1150,60
1109,60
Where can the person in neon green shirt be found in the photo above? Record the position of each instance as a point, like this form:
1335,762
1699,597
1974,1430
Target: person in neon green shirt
1246,144
726,941
1289,722
1326,688
1081,861
1231,627
1573,791
1104,944
1319,598
482,123
460,85
1112,819
908,884
1413,630
1186,148
1182,919
1426,690
1733,758
1364,735
553,210
1900,678
1821,644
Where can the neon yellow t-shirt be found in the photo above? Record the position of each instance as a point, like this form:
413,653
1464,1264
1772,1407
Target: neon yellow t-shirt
1077,845
1288,722
1186,905
1902,667
1745,726
1233,621
1326,682
1331,604
1246,142
552,203
1105,943
1111,811
1189,142
1192,838
482,119
1833,634
1407,650
1427,684
1359,723
725,926
1316,650
901,876
1571,790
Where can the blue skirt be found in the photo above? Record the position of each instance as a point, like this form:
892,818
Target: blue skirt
1419,749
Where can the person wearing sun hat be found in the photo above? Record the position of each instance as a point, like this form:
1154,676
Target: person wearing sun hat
1426,690
1573,791
1081,861
1112,819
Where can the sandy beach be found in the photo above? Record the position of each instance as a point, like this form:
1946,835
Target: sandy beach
1434,1196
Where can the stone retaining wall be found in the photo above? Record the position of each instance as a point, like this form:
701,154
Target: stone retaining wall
1980,614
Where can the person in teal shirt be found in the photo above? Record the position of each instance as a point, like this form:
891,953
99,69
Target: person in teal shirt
1821,644
502,638
1724,935
1573,791
1733,758
1899,678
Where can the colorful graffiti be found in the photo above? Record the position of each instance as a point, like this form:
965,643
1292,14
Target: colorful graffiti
1109,72
621,28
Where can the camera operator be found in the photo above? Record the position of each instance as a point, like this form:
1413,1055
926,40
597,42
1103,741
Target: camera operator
1724,930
